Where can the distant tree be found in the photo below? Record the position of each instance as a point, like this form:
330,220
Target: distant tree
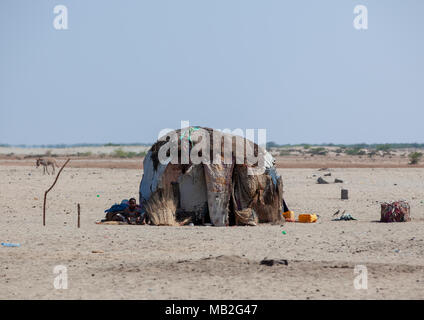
271,144
356,151
383,147
372,153
84,154
318,151
415,157
285,152
119,153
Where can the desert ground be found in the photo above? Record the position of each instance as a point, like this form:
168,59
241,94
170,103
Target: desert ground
200,262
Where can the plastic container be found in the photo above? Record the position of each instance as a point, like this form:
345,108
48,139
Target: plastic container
289,216
308,218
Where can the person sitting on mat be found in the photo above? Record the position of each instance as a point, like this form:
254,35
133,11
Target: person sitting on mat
133,213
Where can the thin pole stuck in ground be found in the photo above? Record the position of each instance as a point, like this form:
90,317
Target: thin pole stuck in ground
47,191
79,213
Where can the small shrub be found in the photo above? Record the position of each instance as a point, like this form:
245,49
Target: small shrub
355,151
271,144
318,151
119,153
372,153
84,154
383,147
415,157
284,152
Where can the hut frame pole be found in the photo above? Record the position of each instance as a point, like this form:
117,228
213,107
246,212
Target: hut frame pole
47,191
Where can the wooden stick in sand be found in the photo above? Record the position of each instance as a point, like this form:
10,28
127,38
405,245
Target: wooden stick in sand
79,212
47,191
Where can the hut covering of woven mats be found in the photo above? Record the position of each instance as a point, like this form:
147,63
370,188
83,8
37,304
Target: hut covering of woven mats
175,192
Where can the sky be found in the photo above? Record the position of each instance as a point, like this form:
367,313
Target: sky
125,70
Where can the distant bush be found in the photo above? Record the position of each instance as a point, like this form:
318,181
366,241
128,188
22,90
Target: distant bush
284,152
372,153
357,151
415,157
383,147
84,154
271,144
359,146
119,153
318,151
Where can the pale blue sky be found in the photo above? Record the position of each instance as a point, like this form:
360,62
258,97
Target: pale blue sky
127,69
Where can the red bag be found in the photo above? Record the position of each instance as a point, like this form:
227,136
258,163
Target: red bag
398,211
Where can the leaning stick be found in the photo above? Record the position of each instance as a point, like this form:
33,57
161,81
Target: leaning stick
47,191
79,212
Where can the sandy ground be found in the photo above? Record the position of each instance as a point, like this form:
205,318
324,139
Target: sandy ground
147,262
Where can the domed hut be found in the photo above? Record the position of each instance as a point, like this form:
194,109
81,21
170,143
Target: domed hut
203,176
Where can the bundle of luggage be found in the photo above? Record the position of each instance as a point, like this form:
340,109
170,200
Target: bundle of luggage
398,211
111,213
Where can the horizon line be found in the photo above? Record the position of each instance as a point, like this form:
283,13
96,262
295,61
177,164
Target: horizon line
270,144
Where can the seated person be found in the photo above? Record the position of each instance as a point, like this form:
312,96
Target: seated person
132,214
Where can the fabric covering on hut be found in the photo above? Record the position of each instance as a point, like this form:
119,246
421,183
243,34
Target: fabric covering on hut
222,193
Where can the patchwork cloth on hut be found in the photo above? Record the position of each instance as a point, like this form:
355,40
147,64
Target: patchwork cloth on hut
398,211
